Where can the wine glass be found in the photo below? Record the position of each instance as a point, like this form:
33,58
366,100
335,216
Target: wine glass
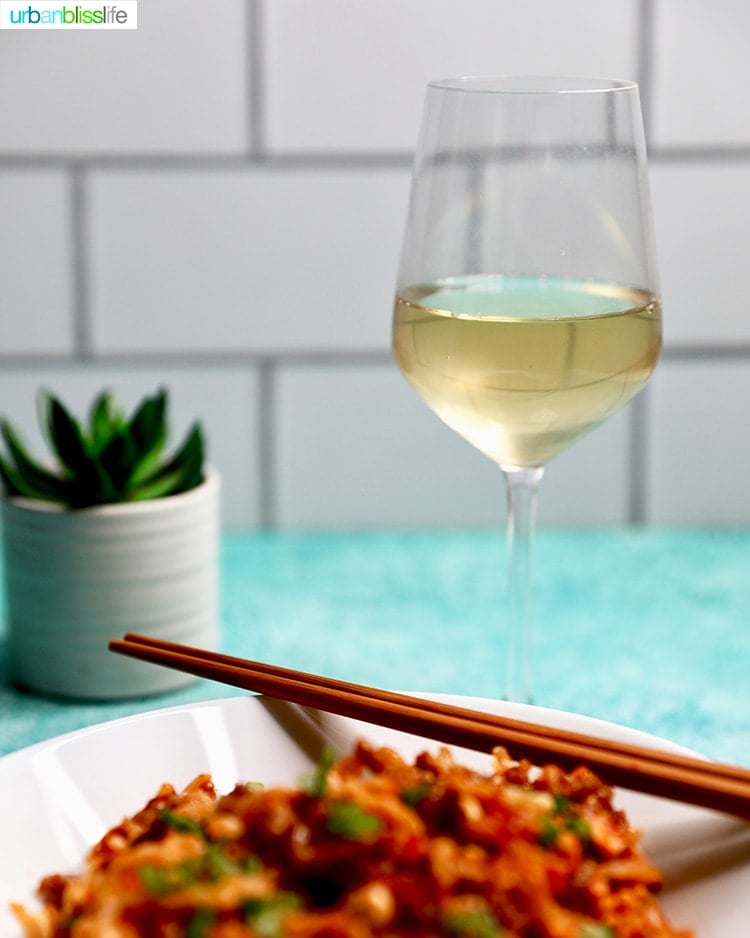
527,307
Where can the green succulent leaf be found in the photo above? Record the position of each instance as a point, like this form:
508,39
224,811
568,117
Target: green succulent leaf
8,477
92,487
67,440
15,484
28,477
148,429
190,458
106,419
112,459
183,471
118,458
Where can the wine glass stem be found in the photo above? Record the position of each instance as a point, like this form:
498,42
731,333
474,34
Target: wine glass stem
522,487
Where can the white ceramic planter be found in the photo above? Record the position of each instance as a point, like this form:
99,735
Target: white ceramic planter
76,579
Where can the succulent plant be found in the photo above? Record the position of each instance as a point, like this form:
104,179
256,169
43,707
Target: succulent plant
111,458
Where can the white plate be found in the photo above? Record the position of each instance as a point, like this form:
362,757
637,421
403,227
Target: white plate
59,797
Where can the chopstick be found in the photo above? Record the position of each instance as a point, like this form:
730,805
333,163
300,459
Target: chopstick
695,781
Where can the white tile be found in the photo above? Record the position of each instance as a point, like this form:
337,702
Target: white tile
355,446
358,84
177,83
35,261
261,260
701,67
224,400
701,216
700,450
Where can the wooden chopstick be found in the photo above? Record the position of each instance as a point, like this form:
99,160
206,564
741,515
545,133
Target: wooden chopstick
501,723
694,781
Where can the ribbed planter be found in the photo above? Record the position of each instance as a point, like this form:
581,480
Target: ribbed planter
76,579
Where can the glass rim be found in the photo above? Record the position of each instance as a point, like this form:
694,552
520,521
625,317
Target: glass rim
532,84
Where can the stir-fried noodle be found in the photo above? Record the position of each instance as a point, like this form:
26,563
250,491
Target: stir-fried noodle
369,845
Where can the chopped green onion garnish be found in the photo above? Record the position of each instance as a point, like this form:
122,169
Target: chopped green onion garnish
200,923
550,829
315,782
597,931
216,864
347,819
562,803
212,866
179,822
579,827
472,925
159,880
412,796
265,916
252,864
548,833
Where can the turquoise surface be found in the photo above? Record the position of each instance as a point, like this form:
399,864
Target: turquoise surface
640,626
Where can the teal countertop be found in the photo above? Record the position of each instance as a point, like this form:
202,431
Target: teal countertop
644,627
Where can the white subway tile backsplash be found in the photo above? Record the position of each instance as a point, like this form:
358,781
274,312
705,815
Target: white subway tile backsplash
356,446
178,83
702,242
36,274
350,74
225,400
701,69
258,260
699,444
238,183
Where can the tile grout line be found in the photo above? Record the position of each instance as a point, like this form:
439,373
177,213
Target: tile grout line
638,444
312,159
82,338
218,358
255,72
646,63
266,437
314,358
320,161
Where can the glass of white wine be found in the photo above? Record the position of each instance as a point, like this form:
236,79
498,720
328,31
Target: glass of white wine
527,307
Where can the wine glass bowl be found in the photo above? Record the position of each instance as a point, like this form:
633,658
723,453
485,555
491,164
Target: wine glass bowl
527,307
527,378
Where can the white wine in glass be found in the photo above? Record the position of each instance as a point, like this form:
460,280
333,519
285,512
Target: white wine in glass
527,305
